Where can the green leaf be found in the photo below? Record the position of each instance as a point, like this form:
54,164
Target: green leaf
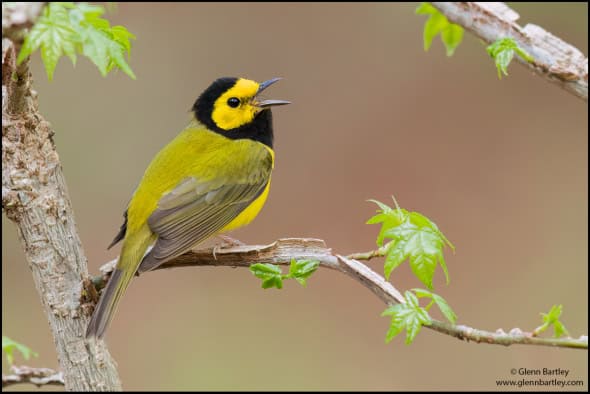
425,9
383,207
442,304
122,36
387,224
414,237
53,34
394,257
32,41
9,346
419,240
388,217
559,329
409,316
433,26
451,37
55,43
552,319
503,59
379,218
396,327
451,34
95,47
300,270
503,50
416,319
423,267
118,60
403,231
270,274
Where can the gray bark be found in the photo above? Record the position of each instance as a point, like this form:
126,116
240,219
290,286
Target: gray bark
35,198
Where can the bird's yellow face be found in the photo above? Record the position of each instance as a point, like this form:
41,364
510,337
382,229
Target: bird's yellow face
237,106
232,107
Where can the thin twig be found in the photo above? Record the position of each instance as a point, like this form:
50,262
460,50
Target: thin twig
382,251
553,58
514,337
283,251
37,376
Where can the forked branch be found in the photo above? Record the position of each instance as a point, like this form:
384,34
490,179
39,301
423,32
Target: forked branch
37,376
283,251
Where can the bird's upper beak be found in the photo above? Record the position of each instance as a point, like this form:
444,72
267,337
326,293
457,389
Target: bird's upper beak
269,103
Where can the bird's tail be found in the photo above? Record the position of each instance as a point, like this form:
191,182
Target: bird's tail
118,283
107,306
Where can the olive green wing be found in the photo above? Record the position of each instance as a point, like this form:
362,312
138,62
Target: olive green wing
196,210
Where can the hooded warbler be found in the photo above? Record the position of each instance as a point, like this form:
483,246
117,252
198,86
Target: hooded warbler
212,178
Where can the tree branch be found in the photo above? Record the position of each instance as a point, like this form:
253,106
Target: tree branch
554,59
37,376
35,198
283,251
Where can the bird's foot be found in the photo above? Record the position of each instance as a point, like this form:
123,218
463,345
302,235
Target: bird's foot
229,242
226,243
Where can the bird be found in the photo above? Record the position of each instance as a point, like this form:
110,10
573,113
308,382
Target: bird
213,177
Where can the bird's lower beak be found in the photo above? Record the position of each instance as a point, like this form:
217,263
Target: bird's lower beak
269,103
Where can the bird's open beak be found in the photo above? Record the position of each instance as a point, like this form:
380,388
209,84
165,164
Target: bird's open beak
269,103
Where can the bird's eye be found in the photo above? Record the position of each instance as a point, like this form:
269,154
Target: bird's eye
233,102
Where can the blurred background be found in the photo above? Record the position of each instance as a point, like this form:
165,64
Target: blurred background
499,165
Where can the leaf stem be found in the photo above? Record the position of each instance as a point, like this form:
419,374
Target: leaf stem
427,307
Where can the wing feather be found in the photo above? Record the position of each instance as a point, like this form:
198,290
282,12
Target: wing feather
196,210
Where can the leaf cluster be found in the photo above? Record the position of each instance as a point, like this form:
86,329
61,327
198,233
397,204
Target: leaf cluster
411,316
272,275
451,34
503,50
78,28
551,319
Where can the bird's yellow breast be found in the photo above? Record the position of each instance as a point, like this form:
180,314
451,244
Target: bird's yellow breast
249,213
